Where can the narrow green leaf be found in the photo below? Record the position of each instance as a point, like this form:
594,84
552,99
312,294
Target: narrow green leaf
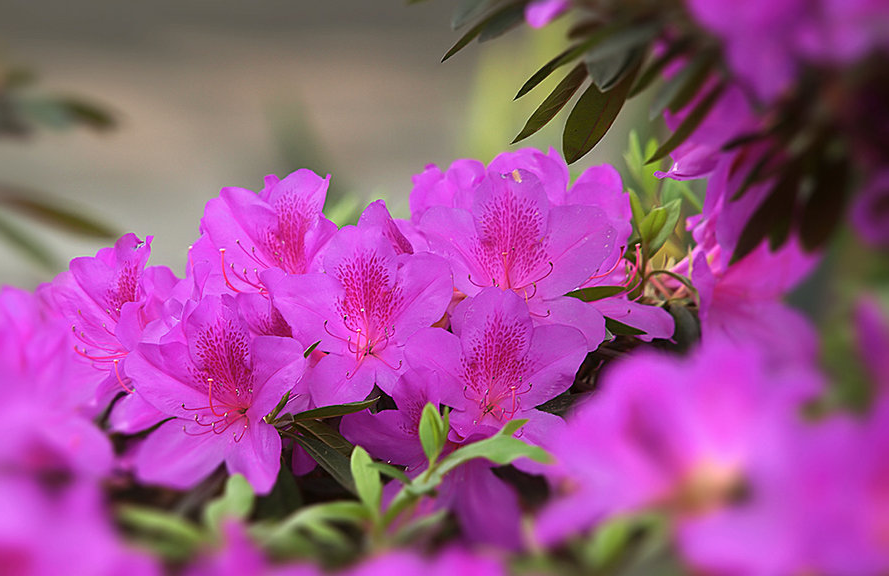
367,480
432,432
772,218
554,102
271,416
636,209
609,541
467,10
284,498
824,208
592,116
88,114
689,124
161,523
608,71
623,40
392,472
569,55
330,450
658,225
502,22
490,27
26,243
334,411
596,293
235,503
681,88
311,349
621,329
47,210
498,449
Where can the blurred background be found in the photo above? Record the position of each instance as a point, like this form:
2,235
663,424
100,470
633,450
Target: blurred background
211,94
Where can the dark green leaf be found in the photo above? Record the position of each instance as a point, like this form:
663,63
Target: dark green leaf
689,124
491,26
166,534
596,293
502,22
592,116
467,10
328,448
26,243
367,480
623,40
47,210
773,216
608,71
502,448
569,55
88,114
283,499
621,329
334,411
554,102
679,90
824,209
235,503
688,330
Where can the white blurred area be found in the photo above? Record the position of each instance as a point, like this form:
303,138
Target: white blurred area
213,94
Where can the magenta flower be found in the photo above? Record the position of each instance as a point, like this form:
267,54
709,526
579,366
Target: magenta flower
870,211
872,335
497,365
109,300
281,227
65,532
218,383
47,395
541,12
674,433
362,307
527,232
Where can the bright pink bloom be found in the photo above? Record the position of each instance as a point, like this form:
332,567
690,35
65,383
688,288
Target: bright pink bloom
282,227
108,301
218,382
365,303
541,12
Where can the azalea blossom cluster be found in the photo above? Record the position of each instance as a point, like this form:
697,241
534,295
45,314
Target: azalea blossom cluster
473,305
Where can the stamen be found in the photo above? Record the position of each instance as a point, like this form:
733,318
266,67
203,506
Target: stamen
119,380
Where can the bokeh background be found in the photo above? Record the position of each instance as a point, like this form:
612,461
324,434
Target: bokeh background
212,94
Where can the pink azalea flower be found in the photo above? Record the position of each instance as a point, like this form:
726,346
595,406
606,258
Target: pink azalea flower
497,365
65,532
281,227
45,415
363,306
541,12
870,211
218,382
675,433
521,228
108,301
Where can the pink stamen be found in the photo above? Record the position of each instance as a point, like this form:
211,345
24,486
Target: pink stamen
119,379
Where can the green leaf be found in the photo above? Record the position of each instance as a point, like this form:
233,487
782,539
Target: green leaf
328,448
334,411
678,91
311,349
824,208
492,26
658,225
392,472
29,245
592,116
367,480
46,210
773,217
236,503
172,536
467,10
609,541
621,329
284,498
689,124
271,417
554,102
635,161
433,433
677,189
569,55
596,293
623,40
87,113
502,448
636,209
607,72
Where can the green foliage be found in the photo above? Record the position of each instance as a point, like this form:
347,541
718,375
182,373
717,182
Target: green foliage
236,503
367,480
433,431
